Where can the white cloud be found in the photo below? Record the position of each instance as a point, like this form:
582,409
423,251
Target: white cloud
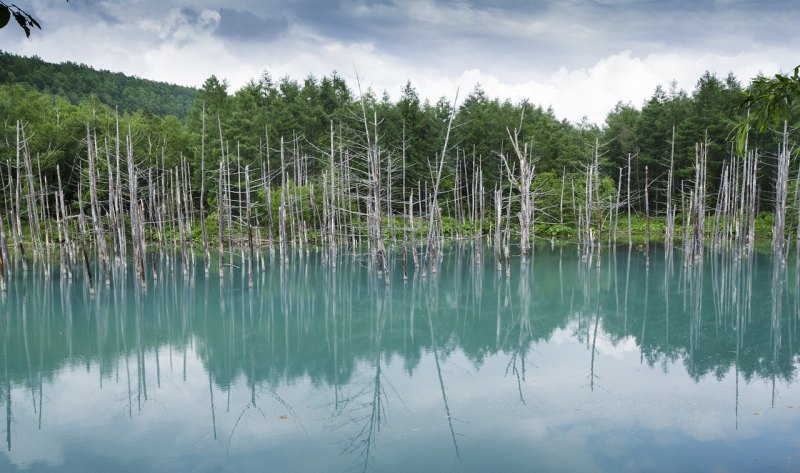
593,91
569,57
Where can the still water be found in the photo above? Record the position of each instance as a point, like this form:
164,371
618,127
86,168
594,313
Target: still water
636,365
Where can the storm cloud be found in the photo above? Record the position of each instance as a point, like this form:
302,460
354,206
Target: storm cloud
244,25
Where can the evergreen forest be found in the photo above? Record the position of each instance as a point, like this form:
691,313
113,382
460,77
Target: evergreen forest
111,158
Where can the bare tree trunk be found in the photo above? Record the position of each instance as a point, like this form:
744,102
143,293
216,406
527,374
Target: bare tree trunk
700,197
781,182
136,226
33,214
523,184
435,197
3,256
221,218
282,209
249,225
99,235
647,210
66,246
206,249
498,215
617,206
413,234
405,245
669,227
332,204
561,201
181,224
113,252
119,197
82,228
630,231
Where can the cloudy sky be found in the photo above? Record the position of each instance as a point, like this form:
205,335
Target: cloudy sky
578,56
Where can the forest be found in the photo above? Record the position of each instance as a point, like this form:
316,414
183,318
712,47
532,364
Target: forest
319,162
79,82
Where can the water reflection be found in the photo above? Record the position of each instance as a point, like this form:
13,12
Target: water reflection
332,360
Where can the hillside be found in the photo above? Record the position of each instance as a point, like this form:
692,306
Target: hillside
76,82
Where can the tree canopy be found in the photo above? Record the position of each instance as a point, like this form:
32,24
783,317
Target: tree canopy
55,102
78,82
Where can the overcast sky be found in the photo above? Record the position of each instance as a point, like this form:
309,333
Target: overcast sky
580,57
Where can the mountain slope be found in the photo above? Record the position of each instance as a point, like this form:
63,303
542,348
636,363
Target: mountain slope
77,82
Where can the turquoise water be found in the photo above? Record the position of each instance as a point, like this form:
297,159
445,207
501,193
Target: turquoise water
636,365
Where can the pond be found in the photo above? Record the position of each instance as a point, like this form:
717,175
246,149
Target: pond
633,364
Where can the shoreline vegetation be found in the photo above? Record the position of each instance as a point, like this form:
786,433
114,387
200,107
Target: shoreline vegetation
279,167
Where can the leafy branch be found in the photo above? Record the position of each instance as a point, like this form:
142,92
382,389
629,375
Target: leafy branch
769,102
23,18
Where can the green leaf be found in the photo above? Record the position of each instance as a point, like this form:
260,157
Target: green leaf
5,15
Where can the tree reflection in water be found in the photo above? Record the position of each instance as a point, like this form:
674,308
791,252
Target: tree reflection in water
345,332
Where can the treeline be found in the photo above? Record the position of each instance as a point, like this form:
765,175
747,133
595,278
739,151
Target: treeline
671,123
674,122
79,82
318,117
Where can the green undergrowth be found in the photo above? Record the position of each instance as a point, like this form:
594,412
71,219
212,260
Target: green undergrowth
395,229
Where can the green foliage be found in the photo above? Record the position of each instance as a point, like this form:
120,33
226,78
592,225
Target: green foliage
763,224
56,133
555,231
212,223
768,104
483,126
171,125
639,226
78,82
771,101
711,114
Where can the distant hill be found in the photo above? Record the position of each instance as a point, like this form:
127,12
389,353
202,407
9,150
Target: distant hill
77,82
